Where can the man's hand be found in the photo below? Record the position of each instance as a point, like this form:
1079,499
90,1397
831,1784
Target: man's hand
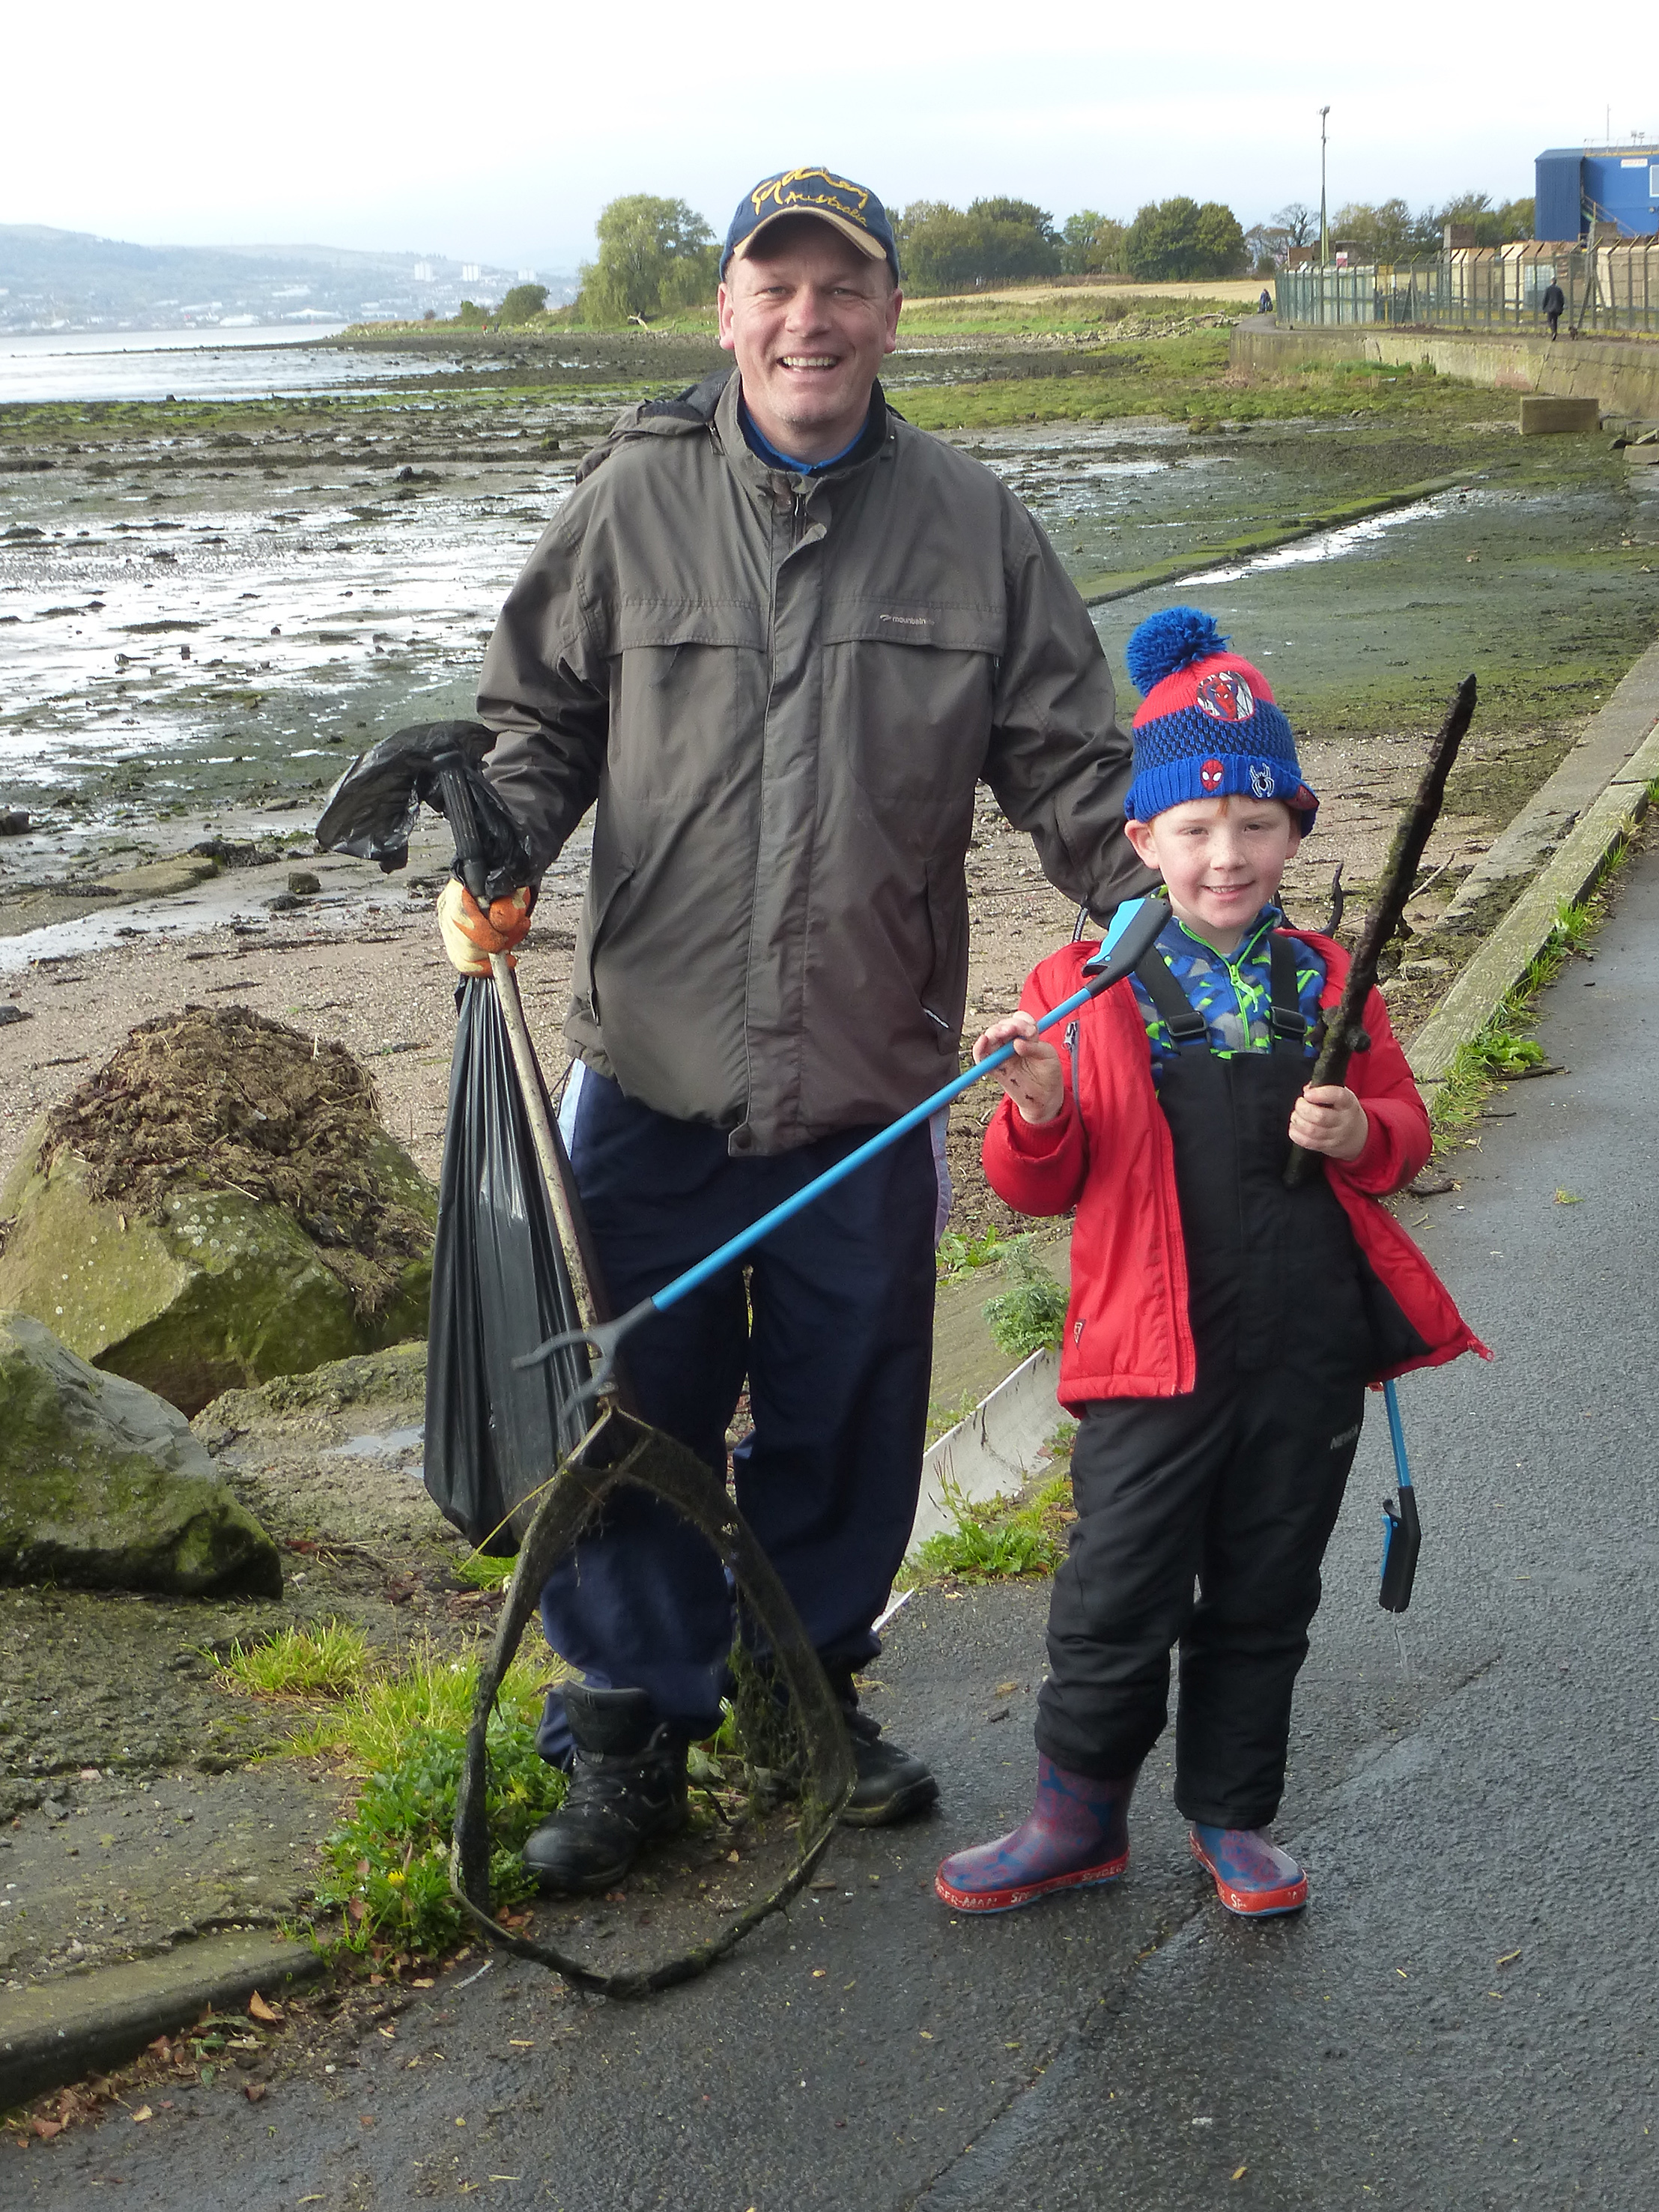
1329,1119
1033,1077
470,935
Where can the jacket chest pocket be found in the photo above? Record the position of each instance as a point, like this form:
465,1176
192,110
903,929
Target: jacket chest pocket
908,694
687,688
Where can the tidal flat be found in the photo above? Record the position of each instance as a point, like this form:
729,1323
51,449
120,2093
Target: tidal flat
210,604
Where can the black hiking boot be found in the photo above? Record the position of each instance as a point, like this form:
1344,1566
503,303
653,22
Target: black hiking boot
892,1783
627,1785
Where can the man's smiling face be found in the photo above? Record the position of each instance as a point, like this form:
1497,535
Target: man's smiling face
809,318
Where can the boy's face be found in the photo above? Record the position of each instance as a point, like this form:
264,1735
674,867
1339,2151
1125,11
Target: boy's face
1221,859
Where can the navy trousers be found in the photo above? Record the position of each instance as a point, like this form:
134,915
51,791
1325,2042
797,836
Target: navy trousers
835,1336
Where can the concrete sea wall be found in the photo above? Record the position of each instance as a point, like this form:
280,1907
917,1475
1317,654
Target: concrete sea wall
1622,374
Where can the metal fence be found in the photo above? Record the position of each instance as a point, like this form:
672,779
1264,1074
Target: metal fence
1608,289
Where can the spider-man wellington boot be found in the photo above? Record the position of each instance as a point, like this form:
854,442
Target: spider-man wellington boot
1253,1876
1077,1834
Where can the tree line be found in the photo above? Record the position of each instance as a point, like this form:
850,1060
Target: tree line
1389,231
657,257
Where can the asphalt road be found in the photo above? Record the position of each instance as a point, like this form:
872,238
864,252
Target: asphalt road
1468,2014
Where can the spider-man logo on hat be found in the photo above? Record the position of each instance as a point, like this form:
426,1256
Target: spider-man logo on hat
1226,695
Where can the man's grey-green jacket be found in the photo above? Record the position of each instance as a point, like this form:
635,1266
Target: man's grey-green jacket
781,692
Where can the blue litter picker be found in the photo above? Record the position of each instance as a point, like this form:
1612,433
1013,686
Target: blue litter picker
1402,1536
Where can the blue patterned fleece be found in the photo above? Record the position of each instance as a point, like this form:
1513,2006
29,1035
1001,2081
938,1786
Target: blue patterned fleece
1233,993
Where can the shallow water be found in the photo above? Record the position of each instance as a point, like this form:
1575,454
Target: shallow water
50,367
206,645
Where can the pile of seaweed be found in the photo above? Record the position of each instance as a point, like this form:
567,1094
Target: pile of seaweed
223,1099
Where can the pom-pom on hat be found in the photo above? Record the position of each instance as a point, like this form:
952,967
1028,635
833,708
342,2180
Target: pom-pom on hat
1207,725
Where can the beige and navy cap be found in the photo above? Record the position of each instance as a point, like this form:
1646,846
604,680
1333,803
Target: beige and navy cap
852,209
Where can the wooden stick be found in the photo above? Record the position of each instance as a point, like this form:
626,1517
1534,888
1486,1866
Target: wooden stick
541,1130
1345,1027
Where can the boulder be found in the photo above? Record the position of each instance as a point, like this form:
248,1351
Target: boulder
103,1485
218,1205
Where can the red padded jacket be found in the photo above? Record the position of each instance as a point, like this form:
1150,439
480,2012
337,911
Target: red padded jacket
1126,1329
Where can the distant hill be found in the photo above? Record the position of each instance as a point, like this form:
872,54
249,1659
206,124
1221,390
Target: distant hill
70,280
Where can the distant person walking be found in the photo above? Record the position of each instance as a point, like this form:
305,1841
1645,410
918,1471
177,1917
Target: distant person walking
1264,305
1554,305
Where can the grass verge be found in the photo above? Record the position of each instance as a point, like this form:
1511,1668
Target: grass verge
382,1896
1190,379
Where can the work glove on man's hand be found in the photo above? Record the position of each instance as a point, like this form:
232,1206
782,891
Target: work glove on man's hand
470,934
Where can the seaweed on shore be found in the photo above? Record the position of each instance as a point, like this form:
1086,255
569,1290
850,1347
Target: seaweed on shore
226,1098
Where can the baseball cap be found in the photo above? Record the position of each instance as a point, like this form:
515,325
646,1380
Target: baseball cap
851,208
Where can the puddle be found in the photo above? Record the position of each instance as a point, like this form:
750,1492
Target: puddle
390,1444
1327,546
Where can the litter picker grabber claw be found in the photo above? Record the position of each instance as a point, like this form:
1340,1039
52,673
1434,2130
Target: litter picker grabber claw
1133,928
1402,1536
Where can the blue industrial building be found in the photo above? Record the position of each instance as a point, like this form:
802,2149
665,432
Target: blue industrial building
1579,185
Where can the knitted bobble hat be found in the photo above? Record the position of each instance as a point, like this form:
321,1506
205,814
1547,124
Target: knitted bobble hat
1207,725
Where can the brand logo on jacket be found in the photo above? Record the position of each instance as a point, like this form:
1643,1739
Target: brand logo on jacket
1225,697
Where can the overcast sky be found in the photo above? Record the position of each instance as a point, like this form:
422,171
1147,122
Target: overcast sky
497,131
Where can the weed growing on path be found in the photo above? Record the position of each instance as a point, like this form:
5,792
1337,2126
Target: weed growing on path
959,1256
385,1868
999,1537
480,1572
323,1662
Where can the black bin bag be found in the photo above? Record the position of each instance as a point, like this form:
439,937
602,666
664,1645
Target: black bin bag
495,1433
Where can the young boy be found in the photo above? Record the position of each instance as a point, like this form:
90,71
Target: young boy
1222,1329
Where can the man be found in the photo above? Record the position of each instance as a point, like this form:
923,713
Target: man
1554,304
778,636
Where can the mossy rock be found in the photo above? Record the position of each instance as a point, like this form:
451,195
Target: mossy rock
102,1483
223,1292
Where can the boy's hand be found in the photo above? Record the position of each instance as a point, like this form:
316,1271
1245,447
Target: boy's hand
1033,1079
1329,1119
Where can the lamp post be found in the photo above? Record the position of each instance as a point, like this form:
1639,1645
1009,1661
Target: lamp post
1324,227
